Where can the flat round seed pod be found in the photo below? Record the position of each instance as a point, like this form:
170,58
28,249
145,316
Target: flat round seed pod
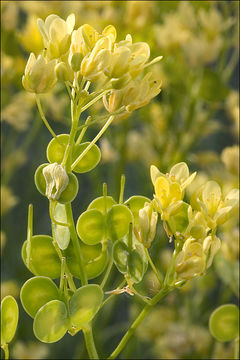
85,303
51,322
94,259
91,227
56,148
9,319
36,292
44,260
99,203
135,203
135,266
120,256
118,219
89,161
224,322
62,233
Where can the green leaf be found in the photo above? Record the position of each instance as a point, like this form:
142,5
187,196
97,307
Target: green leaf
212,88
135,203
91,227
224,322
36,292
56,148
62,233
94,260
99,203
85,303
135,266
89,161
51,322
9,319
120,256
118,219
44,260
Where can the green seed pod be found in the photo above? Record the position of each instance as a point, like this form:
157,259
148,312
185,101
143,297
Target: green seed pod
89,161
91,227
44,260
224,323
84,304
56,148
51,322
120,256
94,260
68,195
36,292
99,203
9,319
135,266
135,203
61,233
118,219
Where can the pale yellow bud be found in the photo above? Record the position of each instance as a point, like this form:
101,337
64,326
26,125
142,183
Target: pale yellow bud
56,180
39,75
62,72
148,222
191,260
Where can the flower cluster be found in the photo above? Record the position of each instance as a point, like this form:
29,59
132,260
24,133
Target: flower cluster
76,56
193,225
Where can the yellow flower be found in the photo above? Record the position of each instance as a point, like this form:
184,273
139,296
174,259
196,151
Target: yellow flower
169,188
56,34
209,200
191,260
138,94
39,75
97,60
30,37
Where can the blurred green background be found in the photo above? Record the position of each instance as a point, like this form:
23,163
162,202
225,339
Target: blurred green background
195,119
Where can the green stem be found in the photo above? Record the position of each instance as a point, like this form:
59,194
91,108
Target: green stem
89,341
76,245
153,267
29,233
94,100
63,262
6,351
138,321
43,117
236,348
104,128
107,273
84,129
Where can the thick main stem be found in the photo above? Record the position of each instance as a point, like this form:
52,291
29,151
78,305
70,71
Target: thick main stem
138,321
89,341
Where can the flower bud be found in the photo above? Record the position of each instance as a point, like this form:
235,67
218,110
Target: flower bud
39,75
148,222
56,180
62,72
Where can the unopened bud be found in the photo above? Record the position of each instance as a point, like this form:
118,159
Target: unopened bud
62,72
75,61
148,222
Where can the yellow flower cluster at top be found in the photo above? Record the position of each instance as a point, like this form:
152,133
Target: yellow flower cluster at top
75,56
